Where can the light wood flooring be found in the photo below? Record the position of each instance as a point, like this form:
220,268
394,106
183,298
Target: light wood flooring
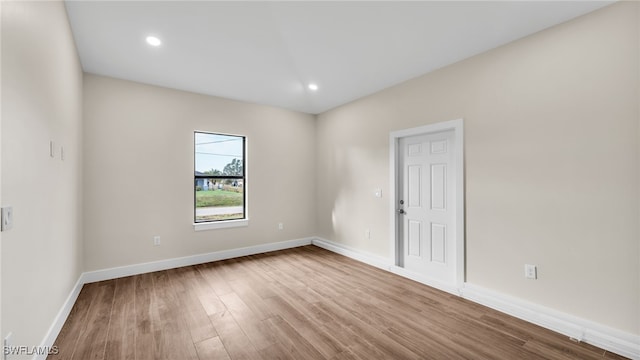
302,303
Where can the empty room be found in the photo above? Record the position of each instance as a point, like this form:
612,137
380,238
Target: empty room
320,180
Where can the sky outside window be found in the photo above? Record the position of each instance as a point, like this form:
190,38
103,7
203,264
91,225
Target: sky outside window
214,151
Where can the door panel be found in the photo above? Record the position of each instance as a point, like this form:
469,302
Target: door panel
414,238
427,217
438,243
438,187
414,192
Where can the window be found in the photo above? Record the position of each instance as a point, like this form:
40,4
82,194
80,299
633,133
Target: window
219,178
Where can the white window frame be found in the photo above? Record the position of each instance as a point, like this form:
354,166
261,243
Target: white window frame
233,223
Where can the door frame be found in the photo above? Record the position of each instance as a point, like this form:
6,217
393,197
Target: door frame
394,152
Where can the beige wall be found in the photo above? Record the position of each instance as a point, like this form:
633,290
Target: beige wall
552,170
138,172
41,101
1,202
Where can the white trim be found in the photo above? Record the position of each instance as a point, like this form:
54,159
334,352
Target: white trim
587,331
224,224
118,272
369,259
60,318
394,137
424,280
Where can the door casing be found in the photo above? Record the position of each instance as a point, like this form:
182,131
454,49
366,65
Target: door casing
394,138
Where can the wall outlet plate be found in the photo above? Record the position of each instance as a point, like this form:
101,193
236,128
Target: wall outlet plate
530,271
7,218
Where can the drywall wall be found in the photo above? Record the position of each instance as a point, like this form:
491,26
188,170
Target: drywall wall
552,171
638,143
138,172
1,203
41,102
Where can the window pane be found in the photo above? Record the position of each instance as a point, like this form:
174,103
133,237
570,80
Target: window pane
217,154
220,196
219,199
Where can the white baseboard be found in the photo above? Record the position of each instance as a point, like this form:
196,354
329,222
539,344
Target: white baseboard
118,272
587,331
60,318
425,280
584,330
114,273
369,259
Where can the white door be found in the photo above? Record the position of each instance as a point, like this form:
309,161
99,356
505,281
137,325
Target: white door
426,205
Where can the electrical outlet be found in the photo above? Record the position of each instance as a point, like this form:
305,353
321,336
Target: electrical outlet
156,240
7,218
280,226
377,193
367,234
530,271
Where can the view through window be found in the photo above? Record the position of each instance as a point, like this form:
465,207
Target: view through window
219,178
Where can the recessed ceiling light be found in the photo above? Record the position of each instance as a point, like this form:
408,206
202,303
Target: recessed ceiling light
313,87
153,41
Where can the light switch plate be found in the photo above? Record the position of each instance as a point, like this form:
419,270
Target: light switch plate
530,271
7,218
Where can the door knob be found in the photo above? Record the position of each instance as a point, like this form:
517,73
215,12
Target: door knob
401,211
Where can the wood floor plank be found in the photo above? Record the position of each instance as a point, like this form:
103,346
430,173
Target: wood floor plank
94,337
189,291
234,339
302,303
252,326
369,332
279,352
312,331
212,349
249,289
553,351
291,338
122,329
211,273
610,355
207,295
76,323
172,339
143,289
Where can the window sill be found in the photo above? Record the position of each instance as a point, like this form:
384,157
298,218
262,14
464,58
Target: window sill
220,224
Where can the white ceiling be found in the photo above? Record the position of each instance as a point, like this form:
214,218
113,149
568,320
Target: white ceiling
267,52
